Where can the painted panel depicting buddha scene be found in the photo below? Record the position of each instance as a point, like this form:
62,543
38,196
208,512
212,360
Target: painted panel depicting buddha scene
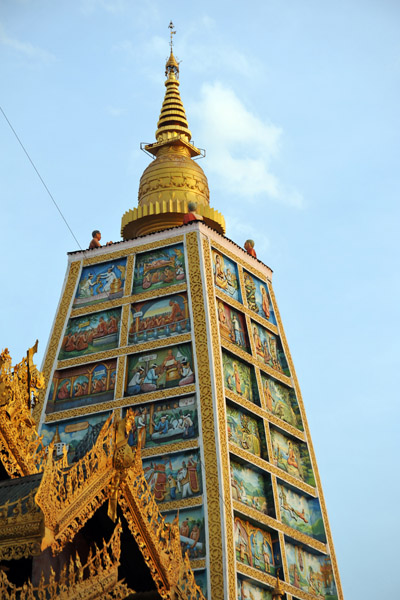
92,333
247,590
101,282
82,386
311,573
159,268
174,476
252,488
160,369
232,326
201,580
301,512
165,422
292,456
269,349
76,435
245,431
253,546
226,276
281,401
258,298
239,377
191,531
159,318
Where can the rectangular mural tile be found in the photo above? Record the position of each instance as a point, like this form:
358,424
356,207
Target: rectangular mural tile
164,422
247,590
269,349
301,512
232,326
159,269
191,531
246,432
82,386
252,488
101,282
281,401
77,435
159,318
258,298
226,277
174,476
292,456
253,546
311,572
159,369
239,377
92,333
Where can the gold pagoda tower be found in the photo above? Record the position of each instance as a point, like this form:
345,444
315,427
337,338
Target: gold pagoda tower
171,422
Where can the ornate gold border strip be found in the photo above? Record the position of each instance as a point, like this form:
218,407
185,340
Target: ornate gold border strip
122,350
170,448
310,447
239,260
263,464
56,334
180,504
245,310
259,517
121,402
132,299
131,250
214,506
271,581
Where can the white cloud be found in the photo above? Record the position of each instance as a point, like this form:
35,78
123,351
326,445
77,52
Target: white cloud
240,145
25,48
114,111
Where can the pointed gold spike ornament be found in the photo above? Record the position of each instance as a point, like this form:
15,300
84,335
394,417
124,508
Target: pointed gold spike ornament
173,179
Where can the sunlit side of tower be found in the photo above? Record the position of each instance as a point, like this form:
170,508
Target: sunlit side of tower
177,330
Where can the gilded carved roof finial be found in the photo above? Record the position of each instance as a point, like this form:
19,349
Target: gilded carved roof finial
172,66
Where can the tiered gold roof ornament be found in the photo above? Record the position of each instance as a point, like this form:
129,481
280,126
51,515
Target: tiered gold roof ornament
63,498
173,179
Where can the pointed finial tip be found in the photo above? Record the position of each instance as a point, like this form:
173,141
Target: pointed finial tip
172,66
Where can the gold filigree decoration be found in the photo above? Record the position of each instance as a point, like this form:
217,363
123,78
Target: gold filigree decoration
254,514
310,445
97,578
21,449
70,496
244,309
122,402
21,528
132,249
241,258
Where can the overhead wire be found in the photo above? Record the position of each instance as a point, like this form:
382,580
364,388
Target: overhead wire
40,177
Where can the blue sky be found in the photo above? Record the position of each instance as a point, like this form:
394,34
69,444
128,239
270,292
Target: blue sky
296,104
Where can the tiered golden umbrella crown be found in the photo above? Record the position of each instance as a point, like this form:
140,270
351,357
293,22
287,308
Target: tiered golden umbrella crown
173,179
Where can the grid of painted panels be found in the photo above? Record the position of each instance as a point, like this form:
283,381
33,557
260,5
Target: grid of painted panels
278,523
128,344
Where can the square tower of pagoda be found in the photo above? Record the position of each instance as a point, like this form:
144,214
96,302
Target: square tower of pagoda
176,329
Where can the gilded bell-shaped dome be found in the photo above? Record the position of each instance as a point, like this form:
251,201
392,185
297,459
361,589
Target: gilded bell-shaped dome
173,178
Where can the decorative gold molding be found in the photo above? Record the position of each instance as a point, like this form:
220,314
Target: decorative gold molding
131,299
121,351
180,504
55,337
21,528
122,402
239,260
123,335
310,446
70,496
168,449
208,415
259,517
120,379
129,274
21,449
131,250
263,464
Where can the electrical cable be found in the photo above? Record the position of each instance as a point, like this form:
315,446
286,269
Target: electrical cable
41,178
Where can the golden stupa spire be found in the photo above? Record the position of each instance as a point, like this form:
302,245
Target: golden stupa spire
173,179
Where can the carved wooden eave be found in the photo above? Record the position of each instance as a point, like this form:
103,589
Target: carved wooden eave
21,520
97,578
69,496
20,444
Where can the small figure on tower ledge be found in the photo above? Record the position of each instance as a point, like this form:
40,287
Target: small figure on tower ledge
192,215
96,237
249,247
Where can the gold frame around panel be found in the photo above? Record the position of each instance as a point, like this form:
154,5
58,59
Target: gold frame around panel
310,448
204,362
